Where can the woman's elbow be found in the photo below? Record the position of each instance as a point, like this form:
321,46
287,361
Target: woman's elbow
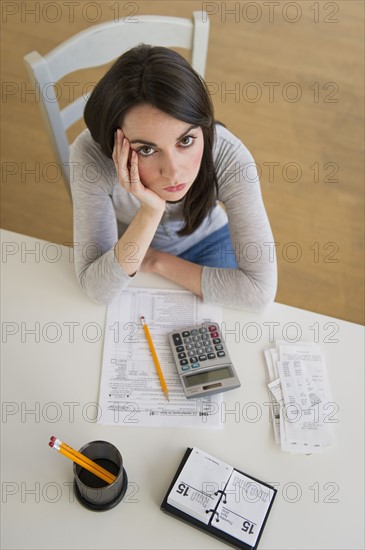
100,296
264,295
257,296
265,301
101,281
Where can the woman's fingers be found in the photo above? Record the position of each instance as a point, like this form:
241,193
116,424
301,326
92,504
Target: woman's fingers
123,159
134,174
121,154
126,162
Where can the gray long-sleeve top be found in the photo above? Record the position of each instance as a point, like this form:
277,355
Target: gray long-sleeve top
103,210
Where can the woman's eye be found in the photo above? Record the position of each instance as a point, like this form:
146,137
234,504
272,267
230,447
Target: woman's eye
187,141
145,151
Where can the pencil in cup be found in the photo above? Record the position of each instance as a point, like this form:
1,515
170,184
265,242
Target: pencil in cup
155,358
81,460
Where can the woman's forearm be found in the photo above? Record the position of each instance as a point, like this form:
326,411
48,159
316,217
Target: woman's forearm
131,248
184,273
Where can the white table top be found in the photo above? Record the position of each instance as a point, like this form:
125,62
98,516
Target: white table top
49,389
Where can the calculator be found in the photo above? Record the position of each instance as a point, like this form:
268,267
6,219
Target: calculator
202,360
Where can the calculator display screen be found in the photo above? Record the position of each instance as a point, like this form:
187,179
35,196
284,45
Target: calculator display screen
209,376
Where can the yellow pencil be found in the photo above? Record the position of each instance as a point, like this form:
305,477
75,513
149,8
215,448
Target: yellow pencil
63,445
155,358
109,478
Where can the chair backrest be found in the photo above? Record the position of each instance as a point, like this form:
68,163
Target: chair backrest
102,44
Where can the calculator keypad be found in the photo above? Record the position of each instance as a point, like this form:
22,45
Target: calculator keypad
202,360
198,346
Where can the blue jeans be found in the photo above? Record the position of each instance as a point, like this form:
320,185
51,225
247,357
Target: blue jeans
214,251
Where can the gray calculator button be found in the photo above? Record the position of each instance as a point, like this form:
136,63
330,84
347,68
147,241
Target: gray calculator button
205,336
189,346
202,357
185,367
197,344
194,332
187,340
179,348
199,350
177,339
193,359
184,362
195,365
220,353
219,347
191,353
209,348
181,355
196,339
202,330
211,355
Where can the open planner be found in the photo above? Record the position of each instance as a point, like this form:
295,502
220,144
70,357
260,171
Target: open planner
219,499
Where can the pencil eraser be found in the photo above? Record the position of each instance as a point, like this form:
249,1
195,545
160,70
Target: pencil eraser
51,443
53,438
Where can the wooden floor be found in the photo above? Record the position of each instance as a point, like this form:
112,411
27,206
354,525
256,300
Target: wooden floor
288,83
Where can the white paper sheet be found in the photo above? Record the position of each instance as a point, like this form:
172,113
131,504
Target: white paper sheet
302,392
276,404
309,392
196,490
130,390
271,357
243,511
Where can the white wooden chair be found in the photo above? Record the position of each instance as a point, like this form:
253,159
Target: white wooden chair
99,45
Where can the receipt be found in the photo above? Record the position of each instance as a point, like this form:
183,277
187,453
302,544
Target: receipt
301,397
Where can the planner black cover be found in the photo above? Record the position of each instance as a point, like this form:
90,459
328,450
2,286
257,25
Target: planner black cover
219,499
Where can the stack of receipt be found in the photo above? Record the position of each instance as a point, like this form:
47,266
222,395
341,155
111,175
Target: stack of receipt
301,408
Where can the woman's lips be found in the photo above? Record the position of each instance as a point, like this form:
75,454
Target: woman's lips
175,188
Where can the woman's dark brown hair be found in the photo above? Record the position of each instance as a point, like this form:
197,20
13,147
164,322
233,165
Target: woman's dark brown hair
161,78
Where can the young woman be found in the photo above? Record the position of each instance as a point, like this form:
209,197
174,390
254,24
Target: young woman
147,174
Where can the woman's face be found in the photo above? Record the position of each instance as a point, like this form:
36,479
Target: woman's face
169,150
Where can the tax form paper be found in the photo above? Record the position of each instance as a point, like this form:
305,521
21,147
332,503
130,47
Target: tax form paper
130,390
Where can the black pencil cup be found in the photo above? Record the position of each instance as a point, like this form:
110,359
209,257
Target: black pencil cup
92,491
